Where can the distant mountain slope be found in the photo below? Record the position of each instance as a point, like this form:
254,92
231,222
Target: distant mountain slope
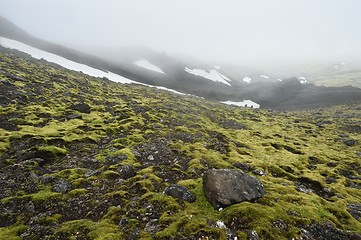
197,78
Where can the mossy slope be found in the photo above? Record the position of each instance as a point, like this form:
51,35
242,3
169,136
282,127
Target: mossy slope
98,172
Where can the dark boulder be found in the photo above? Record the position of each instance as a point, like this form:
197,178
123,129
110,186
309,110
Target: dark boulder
179,192
224,187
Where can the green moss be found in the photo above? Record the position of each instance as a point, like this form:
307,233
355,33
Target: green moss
196,134
78,192
44,195
102,230
12,232
53,150
110,174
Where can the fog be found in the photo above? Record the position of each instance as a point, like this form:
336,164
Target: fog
237,32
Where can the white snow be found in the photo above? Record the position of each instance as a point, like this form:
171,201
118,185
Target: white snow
280,80
169,90
217,67
39,54
343,64
247,79
213,75
336,66
302,80
226,78
147,65
244,103
264,76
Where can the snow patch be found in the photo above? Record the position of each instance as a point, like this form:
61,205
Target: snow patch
247,79
302,80
226,78
149,66
280,80
244,103
264,76
217,67
66,63
212,75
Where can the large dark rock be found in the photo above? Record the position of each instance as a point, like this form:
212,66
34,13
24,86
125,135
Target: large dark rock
224,187
179,192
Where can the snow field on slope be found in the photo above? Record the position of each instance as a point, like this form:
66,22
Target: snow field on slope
149,66
212,75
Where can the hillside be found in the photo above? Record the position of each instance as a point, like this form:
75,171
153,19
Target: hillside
189,76
87,158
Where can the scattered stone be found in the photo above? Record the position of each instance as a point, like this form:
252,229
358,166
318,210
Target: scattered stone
16,78
93,173
126,171
330,180
307,185
123,222
325,231
47,179
134,235
224,187
331,164
352,184
231,235
179,192
74,116
243,166
62,186
252,235
5,82
311,167
81,107
29,207
355,210
116,159
153,226
349,142
314,160
280,224
259,172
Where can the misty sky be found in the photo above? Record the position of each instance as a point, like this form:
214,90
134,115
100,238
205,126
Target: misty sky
234,31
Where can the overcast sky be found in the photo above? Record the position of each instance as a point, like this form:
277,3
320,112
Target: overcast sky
235,31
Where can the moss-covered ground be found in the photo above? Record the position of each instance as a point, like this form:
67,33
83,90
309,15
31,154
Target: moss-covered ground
87,158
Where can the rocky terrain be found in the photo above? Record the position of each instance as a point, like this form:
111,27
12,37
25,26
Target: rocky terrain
87,158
